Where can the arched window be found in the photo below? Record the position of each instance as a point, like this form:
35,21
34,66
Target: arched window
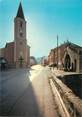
67,62
21,24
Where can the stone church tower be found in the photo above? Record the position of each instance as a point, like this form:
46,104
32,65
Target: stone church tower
21,49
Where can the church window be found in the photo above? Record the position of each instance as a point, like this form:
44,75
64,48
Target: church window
21,34
21,24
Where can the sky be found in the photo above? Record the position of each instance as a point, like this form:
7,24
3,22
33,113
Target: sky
45,20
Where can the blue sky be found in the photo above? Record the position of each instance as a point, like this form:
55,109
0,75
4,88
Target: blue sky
45,20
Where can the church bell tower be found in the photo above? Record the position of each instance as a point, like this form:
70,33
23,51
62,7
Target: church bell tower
21,49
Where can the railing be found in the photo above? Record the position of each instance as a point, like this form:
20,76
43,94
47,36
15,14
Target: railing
68,104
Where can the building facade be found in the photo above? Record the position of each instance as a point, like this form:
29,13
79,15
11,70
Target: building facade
17,53
68,57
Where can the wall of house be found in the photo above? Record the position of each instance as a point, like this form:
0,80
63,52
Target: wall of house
76,59
9,53
74,56
2,52
80,61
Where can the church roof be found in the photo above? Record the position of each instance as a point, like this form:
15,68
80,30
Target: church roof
72,46
20,13
9,44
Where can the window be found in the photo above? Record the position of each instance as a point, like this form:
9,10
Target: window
21,24
21,34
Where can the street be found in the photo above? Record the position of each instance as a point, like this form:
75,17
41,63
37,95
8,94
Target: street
25,92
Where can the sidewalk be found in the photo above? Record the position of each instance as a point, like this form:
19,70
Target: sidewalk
62,73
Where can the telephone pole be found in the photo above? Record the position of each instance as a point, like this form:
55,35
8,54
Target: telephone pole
57,51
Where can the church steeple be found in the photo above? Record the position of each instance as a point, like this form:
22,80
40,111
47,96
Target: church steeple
20,13
21,50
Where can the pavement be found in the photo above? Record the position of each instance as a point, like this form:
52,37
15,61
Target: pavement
63,73
25,92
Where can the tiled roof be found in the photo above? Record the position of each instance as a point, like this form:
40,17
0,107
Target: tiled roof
9,44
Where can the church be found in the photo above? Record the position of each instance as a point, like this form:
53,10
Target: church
17,53
67,56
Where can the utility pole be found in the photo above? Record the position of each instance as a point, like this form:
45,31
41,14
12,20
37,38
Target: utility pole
57,51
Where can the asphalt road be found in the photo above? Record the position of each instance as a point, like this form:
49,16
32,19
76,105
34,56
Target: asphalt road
27,93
